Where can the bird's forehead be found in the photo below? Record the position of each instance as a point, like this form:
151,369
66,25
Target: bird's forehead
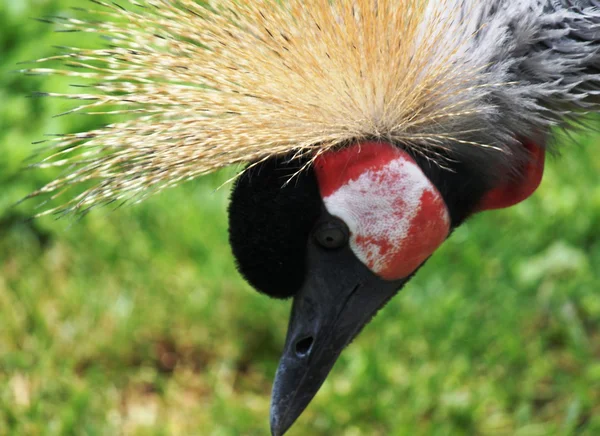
395,214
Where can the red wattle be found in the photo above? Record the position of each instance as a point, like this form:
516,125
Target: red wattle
516,190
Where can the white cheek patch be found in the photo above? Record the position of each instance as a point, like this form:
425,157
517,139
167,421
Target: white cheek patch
396,217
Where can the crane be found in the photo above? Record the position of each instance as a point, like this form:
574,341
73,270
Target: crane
370,130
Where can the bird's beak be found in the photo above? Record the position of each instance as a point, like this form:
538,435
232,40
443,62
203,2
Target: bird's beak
339,297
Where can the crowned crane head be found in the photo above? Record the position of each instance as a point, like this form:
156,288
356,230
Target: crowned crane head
371,129
343,236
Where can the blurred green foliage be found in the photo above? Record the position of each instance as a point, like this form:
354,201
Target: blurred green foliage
136,322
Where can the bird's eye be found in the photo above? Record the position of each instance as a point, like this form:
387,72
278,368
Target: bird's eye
332,234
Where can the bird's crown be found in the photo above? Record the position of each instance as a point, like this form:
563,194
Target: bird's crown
203,85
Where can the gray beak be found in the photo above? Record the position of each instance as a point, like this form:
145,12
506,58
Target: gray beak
339,297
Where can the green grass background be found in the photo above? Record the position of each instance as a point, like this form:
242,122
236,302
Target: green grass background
136,322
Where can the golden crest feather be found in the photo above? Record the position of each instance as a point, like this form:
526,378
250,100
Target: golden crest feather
204,86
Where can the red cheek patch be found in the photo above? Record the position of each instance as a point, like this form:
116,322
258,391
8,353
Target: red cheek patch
396,216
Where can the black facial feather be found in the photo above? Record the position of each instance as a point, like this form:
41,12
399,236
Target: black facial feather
270,223
461,184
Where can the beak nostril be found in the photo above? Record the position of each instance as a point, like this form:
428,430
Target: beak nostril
303,346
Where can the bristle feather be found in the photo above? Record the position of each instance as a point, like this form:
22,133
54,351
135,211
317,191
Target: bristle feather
223,82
